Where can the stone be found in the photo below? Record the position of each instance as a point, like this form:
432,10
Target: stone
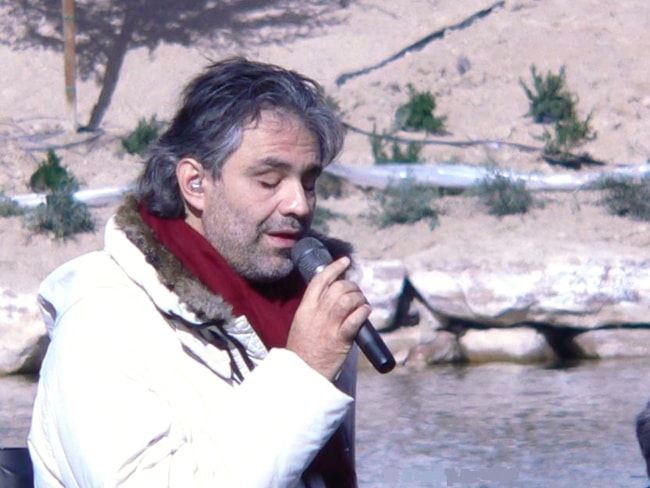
381,281
24,338
520,344
442,349
568,306
402,341
569,290
614,343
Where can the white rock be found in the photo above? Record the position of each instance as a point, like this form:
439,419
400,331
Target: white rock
614,343
23,334
571,291
517,344
381,282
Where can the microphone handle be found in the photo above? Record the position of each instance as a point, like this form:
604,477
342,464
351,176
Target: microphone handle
368,340
374,348
310,256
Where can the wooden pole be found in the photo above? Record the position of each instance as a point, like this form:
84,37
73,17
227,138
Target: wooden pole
70,61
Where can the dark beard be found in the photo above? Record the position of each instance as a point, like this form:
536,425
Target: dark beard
255,274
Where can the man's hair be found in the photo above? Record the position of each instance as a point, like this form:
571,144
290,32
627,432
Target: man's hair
643,434
216,107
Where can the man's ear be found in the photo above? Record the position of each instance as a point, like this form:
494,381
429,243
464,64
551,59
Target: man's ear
190,174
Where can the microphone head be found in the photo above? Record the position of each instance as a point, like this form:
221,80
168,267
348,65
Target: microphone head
309,255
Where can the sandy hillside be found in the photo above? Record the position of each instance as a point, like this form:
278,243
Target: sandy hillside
473,72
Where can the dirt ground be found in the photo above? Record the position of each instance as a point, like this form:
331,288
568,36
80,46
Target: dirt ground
473,72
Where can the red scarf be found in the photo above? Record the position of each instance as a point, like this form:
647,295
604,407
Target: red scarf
268,307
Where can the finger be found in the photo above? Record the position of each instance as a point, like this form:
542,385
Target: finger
342,298
343,286
329,275
350,327
334,270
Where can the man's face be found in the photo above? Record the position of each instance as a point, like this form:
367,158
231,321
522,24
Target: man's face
265,198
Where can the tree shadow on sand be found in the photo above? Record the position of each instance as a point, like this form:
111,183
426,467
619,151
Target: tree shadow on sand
106,31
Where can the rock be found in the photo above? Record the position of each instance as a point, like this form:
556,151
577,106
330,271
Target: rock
614,343
569,290
402,341
443,348
24,339
567,307
518,344
381,282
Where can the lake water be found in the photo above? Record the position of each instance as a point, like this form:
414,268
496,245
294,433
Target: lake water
503,425
492,425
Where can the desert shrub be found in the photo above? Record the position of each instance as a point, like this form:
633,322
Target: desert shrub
61,214
404,202
378,144
51,176
504,196
329,186
335,106
9,208
550,101
417,113
627,198
146,132
567,135
322,217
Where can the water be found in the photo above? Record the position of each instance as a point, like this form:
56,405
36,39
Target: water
16,400
503,425
487,426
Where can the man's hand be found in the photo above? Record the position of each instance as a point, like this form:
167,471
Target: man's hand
328,319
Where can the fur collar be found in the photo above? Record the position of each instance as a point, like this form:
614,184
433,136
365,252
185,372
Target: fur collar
205,305
172,274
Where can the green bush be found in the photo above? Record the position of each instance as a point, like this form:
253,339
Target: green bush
567,135
329,186
404,202
146,132
417,113
321,218
550,101
335,106
504,196
51,176
9,208
61,214
627,198
397,155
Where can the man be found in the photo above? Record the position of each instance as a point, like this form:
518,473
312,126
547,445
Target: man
189,352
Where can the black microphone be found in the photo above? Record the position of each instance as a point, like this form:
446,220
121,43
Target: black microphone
310,256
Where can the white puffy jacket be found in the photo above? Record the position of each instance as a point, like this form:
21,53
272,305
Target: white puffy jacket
132,393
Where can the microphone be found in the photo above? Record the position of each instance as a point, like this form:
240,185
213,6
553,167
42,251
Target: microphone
310,256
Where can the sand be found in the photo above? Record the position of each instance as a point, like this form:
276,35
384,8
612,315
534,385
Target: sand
474,74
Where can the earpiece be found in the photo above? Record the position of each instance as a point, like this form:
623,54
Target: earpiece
195,184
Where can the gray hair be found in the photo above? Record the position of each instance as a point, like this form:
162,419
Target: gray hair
208,127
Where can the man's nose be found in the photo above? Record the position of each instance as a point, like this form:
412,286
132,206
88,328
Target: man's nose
295,200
